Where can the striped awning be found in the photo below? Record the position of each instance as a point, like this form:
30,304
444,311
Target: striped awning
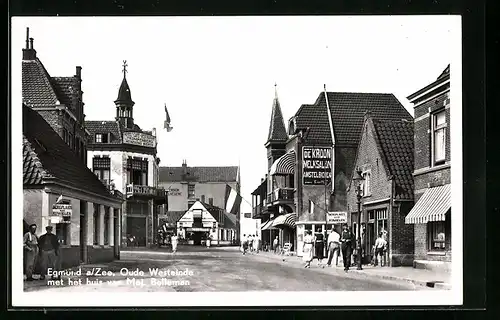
284,165
432,206
285,220
268,225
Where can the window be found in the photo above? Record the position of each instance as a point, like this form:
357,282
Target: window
211,201
101,167
137,171
191,192
65,136
62,233
439,137
101,138
202,198
437,235
366,183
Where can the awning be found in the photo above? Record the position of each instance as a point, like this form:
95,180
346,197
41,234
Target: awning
268,225
432,206
286,220
284,165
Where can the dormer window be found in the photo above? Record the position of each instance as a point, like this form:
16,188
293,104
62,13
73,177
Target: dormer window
101,138
292,126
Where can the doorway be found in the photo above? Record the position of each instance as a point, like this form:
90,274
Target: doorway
197,237
136,230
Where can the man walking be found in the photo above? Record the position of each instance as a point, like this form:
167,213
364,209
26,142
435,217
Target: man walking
244,244
49,247
346,247
275,244
380,245
30,244
333,247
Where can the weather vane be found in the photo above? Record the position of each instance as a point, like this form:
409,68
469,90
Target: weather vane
125,65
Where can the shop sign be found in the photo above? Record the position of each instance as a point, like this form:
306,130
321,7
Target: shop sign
139,139
197,229
336,217
316,165
174,192
62,210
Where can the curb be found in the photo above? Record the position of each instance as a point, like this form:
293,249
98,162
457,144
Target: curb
430,284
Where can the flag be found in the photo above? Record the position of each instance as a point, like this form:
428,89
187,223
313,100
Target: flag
232,200
311,206
167,120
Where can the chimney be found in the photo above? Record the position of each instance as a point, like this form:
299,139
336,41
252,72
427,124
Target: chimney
79,72
29,53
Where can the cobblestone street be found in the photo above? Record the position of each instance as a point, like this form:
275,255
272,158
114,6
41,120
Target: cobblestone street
215,269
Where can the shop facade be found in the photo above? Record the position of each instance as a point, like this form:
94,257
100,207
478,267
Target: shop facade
384,160
431,215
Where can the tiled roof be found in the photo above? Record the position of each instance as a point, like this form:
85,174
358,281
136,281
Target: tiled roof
172,217
37,87
277,130
124,92
112,127
216,212
396,141
199,174
45,155
347,110
66,89
446,72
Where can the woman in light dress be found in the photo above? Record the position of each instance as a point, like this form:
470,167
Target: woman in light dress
308,248
256,244
208,240
174,241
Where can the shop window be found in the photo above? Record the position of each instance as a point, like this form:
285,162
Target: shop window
191,191
62,233
437,235
308,227
371,215
439,137
101,167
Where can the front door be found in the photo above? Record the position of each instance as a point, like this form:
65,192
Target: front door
136,230
197,237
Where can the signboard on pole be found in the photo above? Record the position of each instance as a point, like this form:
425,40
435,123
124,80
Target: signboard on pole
336,217
317,165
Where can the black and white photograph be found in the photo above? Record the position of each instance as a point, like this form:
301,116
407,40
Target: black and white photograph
236,161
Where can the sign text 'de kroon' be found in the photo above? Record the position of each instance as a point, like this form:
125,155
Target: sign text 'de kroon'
317,165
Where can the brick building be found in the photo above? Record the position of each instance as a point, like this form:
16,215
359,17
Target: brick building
321,143
431,215
186,185
124,155
385,160
54,167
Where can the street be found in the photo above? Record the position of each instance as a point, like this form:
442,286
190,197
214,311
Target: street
198,269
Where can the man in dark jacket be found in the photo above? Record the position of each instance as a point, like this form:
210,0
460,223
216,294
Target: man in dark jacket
346,241
49,249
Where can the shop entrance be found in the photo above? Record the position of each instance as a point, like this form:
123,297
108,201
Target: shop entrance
197,237
136,231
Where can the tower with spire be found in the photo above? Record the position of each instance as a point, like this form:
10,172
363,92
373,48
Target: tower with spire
277,136
124,103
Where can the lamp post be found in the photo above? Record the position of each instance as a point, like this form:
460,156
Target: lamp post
358,180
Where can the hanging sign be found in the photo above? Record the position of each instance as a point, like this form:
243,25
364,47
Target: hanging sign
316,165
336,217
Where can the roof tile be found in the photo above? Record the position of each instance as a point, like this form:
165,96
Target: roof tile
112,127
199,174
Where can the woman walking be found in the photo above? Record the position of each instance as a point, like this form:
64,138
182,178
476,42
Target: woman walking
174,241
319,247
307,255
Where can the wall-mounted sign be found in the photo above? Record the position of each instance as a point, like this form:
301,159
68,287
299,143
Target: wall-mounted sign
174,192
316,165
139,139
336,217
62,210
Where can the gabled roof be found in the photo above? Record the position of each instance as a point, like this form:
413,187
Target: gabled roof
395,139
277,130
124,94
37,86
66,89
199,174
229,220
347,111
172,217
112,127
446,72
46,156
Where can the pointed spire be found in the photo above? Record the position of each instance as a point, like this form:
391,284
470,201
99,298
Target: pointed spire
124,94
277,129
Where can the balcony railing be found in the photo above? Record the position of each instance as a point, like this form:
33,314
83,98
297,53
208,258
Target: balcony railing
281,195
135,190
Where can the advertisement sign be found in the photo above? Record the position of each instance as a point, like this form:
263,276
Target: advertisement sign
139,139
62,210
317,165
337,217
174,192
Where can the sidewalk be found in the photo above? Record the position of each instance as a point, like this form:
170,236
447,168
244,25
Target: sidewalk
421,277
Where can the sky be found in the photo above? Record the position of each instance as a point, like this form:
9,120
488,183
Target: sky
217,75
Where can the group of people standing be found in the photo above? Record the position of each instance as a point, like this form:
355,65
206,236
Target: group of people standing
314,247
44,251
250,243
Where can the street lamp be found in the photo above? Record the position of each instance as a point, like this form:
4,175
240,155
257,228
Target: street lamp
358,182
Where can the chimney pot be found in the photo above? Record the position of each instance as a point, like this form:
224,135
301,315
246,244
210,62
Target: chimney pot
31,43
78,72
27,38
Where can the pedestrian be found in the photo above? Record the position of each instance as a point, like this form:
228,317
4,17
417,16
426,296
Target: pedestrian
333,244
256,241
30,243
346,247
244,244
49,249
174,240
319,247
380,246
250,243
307,249
275,244
209,237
